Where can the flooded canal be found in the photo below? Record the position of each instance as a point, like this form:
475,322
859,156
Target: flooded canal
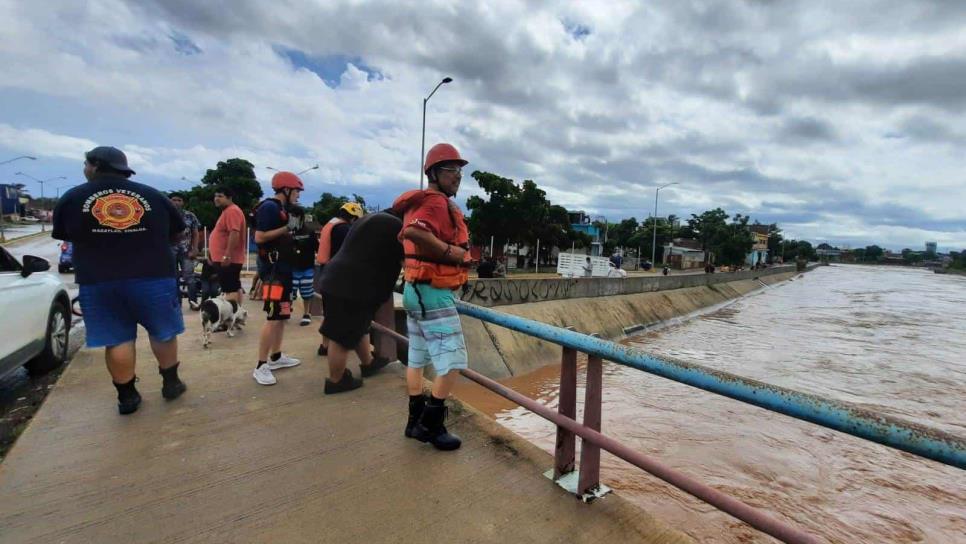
892,340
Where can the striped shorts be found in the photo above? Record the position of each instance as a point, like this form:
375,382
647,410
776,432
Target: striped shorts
302,284
436,335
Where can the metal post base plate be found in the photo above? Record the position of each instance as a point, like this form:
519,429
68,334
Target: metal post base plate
569,482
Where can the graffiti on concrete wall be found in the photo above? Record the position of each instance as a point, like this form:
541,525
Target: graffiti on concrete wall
495,292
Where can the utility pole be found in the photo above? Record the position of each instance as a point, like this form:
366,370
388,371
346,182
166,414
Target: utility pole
654,239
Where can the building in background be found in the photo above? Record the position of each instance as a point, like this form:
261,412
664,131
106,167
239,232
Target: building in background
931,247
759,251
581,222
11,203
685,254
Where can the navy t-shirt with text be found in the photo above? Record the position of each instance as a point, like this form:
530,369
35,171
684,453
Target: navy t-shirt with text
120,229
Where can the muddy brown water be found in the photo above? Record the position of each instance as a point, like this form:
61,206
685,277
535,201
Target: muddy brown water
891,340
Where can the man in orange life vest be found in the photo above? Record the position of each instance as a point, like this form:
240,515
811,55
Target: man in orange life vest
330,241
436,246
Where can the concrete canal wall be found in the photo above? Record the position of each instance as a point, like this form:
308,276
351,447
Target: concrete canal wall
604,306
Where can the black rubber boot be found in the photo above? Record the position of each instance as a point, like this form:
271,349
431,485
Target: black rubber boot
373,368
173,387
416,405
431,428
347,383
128,398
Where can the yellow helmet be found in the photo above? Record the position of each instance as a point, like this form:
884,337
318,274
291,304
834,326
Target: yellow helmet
353,208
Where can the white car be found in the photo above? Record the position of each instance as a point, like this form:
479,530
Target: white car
35,315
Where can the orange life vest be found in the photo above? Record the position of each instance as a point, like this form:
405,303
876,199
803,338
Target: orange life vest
325,240
419,268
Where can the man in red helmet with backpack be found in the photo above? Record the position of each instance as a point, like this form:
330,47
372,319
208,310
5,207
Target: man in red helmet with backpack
436,246
276,256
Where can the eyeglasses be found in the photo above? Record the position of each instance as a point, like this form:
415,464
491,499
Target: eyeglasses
458,170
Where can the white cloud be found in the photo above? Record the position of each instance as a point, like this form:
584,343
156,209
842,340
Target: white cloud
774,109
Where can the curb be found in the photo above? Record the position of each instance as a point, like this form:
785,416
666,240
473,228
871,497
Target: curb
14,241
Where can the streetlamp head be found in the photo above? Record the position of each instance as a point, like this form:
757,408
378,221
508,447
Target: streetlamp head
447,79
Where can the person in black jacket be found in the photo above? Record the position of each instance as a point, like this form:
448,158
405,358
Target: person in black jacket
306,243
355,283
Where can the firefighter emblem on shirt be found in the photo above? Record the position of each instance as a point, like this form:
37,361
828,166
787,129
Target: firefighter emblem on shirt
118,211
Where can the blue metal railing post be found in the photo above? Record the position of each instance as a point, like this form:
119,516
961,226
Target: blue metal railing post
889,431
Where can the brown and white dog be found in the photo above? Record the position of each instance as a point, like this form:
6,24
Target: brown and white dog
218,314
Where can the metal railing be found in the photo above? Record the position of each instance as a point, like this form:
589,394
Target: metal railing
910,437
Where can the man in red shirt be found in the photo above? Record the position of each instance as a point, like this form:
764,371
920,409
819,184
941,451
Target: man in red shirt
227,244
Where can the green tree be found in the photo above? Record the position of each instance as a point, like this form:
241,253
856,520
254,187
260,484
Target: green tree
707,228
237,174
775,239
495,216
873,253
911,257
734,241
328,204
518,213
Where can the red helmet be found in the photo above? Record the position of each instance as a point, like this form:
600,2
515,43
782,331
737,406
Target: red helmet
286,180
442,153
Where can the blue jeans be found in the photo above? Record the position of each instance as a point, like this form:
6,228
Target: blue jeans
186,271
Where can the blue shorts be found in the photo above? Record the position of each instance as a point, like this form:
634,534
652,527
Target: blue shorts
435,332
114,309
302,281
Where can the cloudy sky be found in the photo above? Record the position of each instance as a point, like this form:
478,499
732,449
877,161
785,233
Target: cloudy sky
841,121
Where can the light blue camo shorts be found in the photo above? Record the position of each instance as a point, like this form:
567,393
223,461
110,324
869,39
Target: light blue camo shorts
435,333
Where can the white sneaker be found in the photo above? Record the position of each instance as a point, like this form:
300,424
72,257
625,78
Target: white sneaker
283,362
264,376
306,320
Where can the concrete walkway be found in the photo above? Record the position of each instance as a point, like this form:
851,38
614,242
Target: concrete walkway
233,461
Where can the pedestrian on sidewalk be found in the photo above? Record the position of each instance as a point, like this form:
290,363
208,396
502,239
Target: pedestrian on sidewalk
306,243
436,246
186,249
122,233
355,283
228,245
330,241
275,261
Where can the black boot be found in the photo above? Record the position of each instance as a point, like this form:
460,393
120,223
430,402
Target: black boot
173,387
347,383
431,428
416,406
371,369
128,398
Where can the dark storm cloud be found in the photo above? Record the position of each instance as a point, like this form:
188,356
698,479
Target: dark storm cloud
926,129
807,129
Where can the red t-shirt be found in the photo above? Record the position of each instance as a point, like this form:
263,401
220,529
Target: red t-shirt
232,219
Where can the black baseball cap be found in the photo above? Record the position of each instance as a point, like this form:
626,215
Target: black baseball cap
110,156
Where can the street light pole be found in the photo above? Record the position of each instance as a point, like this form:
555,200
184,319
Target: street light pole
422,151
654,239
41,182
272,168
18,158
316,167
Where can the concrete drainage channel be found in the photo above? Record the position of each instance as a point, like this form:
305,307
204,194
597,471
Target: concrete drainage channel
680,320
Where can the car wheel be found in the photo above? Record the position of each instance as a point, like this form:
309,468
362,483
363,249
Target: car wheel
58,336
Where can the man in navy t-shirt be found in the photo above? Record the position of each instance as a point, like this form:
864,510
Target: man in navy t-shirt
122,233
276,253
